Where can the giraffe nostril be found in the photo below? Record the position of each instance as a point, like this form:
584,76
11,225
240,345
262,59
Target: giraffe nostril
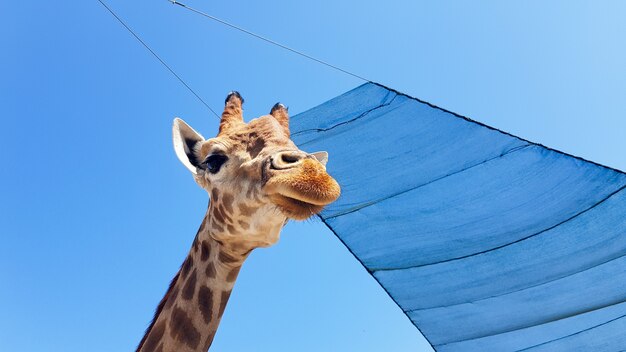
289,159
286,160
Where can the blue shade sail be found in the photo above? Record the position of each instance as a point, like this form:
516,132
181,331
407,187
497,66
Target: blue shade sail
486,241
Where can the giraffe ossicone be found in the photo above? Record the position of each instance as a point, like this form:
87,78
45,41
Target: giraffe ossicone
257,179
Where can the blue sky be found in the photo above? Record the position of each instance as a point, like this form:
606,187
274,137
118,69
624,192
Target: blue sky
98,214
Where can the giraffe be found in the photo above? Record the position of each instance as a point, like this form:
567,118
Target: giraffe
257,179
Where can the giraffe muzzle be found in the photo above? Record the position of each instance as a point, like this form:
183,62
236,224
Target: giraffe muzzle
302,189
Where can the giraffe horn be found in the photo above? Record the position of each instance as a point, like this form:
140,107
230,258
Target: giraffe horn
233,111
281,114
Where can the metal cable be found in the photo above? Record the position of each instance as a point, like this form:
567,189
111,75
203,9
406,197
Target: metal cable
159,58
267,40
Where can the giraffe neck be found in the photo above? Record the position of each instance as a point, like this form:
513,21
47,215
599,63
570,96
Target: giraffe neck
189,314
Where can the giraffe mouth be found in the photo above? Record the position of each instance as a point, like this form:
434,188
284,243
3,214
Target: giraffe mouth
296,209
302,191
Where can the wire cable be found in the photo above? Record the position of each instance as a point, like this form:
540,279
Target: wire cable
267,40
158,58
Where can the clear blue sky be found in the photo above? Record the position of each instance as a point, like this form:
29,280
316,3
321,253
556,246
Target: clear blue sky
97,213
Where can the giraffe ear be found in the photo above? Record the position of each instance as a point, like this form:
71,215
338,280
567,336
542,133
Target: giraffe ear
322,157
186,142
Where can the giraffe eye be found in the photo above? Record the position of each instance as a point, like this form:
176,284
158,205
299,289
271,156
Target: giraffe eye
214,162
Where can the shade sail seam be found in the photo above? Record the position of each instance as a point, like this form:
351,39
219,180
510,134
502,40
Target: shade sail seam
510,243
360,116
521,289
574,334
496,129
368,204
622,301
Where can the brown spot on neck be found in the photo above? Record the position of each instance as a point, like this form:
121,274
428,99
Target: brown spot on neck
182,329
186,267
220,215
205,251
205,303
195,245
216,226
228,258
227,201
244,225
226,214
173,295
200,230
232,274
210,270
218,218
223,300
190,287
246,210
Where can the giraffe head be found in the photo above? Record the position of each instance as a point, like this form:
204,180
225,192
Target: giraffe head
255,175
